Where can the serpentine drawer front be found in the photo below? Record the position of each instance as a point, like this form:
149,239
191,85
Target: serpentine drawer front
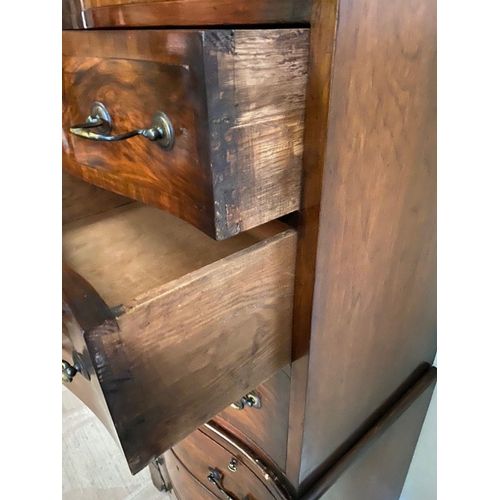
209,459
206,125
164,327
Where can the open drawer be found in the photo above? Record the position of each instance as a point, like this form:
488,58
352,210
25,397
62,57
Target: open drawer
223,111
164,327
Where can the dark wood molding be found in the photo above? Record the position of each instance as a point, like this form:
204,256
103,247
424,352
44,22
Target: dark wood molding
425,384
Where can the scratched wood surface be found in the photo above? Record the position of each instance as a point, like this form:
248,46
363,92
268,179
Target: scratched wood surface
256,112
93,466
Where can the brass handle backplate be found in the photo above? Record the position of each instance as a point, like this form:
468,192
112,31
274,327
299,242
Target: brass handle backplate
251,400
161,130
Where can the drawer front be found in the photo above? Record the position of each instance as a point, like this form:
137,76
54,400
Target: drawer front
114,13
169,326
184,484
133,83
201,455
83,310
265,427
235,100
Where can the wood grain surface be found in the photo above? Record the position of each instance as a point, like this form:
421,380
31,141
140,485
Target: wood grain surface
198,452
376,466
140,13
185,485
84,311
129,73
374,312
256,118
81,199
131,250
318,109
236,101
165,370
364,308
239,337
265,428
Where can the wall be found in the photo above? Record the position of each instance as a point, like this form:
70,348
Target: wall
421,481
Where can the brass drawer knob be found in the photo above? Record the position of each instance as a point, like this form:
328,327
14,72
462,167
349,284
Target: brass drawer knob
68,372
161,130
251,400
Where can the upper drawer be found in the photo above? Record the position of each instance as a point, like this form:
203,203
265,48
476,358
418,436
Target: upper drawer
235,100
123,13
168,327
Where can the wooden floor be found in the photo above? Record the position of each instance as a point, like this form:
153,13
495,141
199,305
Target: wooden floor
93,466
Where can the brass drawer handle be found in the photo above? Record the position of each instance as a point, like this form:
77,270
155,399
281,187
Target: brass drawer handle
68,372
251,400
215,478
161,130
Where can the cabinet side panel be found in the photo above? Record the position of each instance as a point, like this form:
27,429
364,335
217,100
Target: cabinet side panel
374,313
322,37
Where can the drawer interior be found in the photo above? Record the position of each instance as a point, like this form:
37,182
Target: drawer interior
129,250
188,324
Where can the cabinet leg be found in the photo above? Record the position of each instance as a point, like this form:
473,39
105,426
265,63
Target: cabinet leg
158,475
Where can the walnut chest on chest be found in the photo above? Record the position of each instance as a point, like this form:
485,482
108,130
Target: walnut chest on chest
249,239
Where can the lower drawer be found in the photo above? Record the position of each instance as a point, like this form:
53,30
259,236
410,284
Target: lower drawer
221,465
164,327
264,425
185,485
